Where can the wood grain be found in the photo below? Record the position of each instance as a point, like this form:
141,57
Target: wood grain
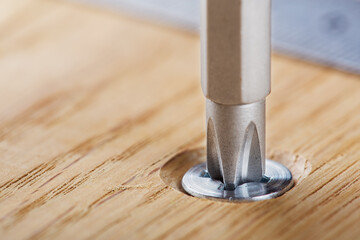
93,104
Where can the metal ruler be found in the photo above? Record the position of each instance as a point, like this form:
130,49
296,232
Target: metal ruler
325,31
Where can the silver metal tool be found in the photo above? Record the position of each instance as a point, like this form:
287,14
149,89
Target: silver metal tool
235,46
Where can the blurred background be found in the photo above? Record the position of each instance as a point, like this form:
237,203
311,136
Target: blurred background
324,31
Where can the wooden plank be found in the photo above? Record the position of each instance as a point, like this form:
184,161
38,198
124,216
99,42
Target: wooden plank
100,115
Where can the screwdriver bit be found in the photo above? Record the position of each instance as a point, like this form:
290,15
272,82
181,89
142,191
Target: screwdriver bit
235,78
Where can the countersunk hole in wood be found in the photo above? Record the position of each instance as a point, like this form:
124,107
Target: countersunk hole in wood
173,171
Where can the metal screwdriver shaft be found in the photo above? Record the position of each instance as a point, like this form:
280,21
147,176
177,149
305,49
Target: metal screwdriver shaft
235,39
235,50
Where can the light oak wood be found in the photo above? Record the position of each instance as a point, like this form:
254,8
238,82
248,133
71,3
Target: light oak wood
93,104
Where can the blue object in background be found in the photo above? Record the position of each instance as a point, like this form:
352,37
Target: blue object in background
325,31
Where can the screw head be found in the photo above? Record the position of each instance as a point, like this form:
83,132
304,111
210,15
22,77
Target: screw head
276,181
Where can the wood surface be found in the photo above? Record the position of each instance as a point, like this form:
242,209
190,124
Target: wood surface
101,113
